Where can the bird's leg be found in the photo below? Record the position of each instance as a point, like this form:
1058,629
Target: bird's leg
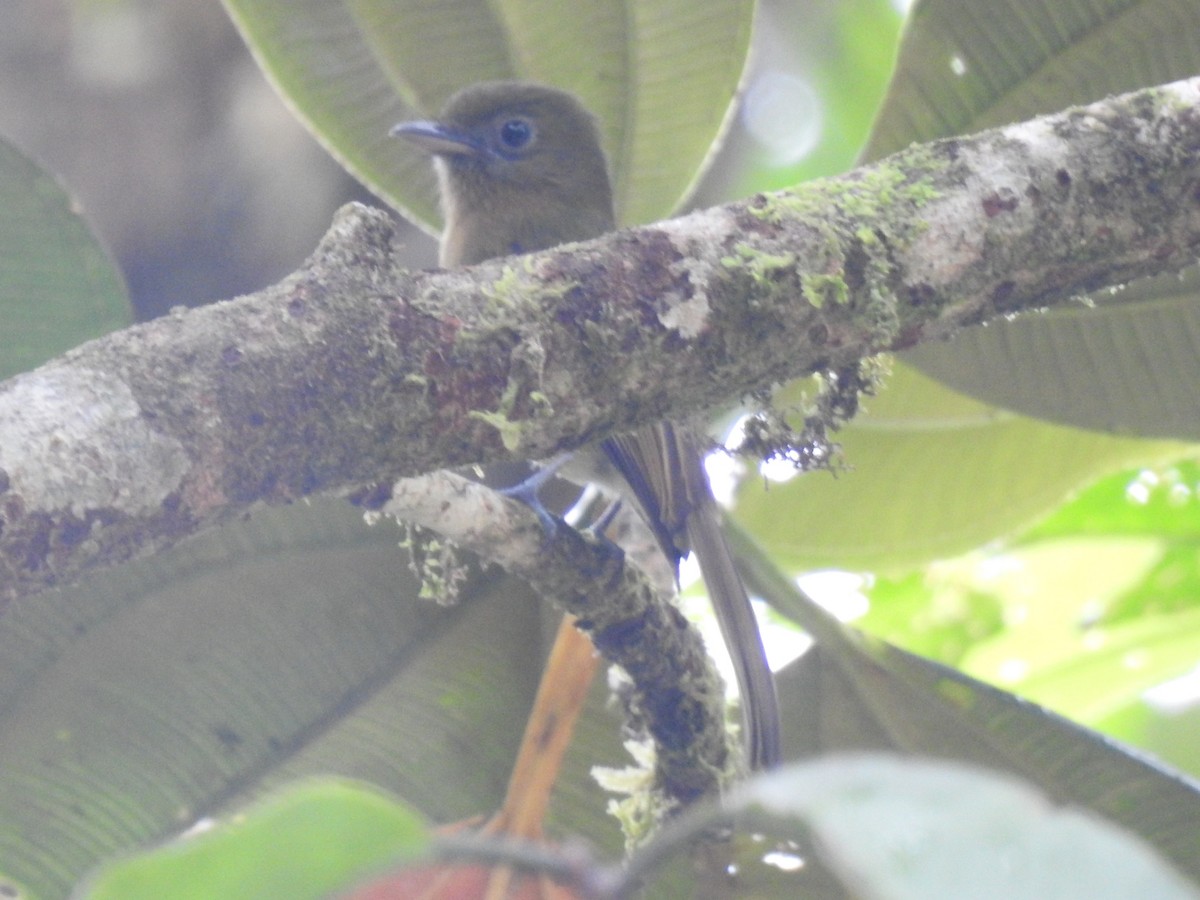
600,526
614,551
527,490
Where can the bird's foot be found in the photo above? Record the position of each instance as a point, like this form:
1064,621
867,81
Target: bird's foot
527,492
614,554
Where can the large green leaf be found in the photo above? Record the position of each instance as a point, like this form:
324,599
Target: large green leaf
968,66
58,287
286,646
854,692
1160,503
894,827
931,474
660,74
1130,367
1117,577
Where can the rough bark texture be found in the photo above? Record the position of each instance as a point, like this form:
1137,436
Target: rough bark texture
679,699
352,371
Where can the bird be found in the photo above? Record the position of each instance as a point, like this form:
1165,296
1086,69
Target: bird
521,167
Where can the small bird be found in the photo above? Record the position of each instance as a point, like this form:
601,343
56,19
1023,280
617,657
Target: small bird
520,168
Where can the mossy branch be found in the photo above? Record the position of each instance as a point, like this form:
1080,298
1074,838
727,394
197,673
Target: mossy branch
353,371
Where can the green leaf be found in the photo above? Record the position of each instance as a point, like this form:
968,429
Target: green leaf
928,613
1170,585
1162,729
1089,612
1128,364
660,74
1057,646
1132,365
893,827
58,287
289,645
1108,674
931,474
964,67
310,839
855,692
1159,503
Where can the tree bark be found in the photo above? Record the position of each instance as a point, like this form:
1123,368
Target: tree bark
353,372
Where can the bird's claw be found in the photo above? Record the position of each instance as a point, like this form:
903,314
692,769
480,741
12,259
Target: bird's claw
526,492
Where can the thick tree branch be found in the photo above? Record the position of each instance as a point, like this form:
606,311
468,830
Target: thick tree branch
353,371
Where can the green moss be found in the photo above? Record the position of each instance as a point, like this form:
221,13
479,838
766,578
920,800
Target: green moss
510,431
435,561
514,288
873,193
867,236
1168,100
505,289
818,289
761,266
541,403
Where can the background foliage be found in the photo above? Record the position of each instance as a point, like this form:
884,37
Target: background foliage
1020,504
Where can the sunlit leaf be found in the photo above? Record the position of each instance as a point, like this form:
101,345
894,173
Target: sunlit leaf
1161,503
854,692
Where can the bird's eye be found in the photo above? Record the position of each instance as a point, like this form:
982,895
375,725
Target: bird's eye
516,134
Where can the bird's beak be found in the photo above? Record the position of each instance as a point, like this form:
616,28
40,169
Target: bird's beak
437,138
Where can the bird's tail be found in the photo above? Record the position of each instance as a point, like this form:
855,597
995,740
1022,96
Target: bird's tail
664,466
739,628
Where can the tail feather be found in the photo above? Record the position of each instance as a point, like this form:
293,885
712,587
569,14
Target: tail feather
664,467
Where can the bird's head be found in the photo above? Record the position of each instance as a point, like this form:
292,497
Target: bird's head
520,167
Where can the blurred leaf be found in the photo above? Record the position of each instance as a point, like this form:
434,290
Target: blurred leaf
932,474
58,287
855,692
938,618
660,74
1169,734
1128,365
1171,585
313,838
895,827
1089,612
1116,667
878,697
1156,503
288,645
819,73
1059,647
1132,365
